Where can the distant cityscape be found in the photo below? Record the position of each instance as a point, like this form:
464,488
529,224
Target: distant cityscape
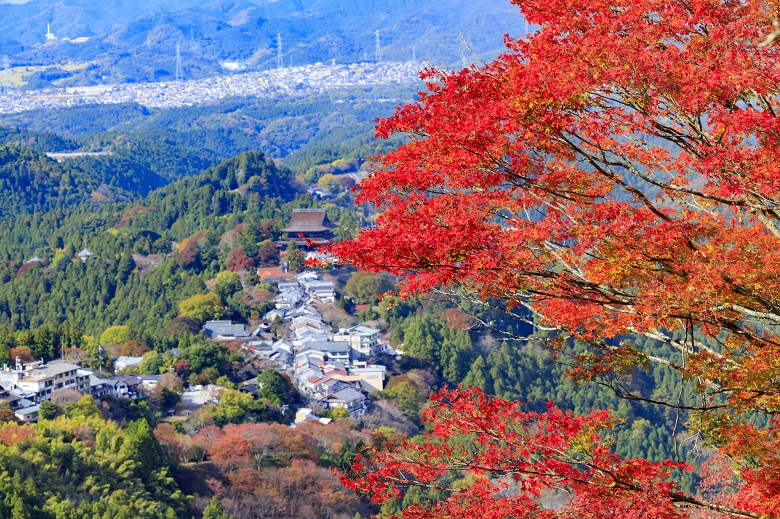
301,80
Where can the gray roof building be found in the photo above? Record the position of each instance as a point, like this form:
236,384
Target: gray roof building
224,329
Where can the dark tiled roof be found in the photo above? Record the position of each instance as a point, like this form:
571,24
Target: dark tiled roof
213,329
348,395
327,346
308,220
130,380
250,388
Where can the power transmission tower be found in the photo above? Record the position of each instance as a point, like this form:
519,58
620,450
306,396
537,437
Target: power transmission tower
279,55
378,48
6,66
179,72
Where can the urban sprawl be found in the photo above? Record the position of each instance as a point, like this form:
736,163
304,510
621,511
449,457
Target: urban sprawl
303,80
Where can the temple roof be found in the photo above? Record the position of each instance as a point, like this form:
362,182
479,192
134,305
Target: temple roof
308,220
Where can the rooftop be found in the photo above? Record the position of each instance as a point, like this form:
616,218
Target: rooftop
358,331
348,395
214,329
50,370
27,410
129,361
308,220
327,346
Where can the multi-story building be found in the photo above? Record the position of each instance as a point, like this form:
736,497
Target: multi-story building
38,381
362,340
372,376
43,379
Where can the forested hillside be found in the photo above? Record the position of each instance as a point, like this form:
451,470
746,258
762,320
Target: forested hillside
80,465
305,132
33,183
107,290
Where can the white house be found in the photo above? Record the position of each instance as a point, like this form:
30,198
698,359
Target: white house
122,363
353,401
28,414
362,339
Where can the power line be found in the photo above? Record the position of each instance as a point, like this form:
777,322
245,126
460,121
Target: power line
194,44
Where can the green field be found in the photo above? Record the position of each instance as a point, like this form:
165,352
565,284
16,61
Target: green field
17,75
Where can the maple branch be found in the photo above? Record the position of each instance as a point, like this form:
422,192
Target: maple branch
768,223
622,392
678,498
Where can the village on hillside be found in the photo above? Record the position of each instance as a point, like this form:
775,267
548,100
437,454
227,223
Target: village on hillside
331,367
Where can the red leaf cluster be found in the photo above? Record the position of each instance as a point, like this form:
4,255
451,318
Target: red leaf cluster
614,174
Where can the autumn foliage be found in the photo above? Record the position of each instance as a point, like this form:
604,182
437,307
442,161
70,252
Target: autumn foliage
614,175
271,470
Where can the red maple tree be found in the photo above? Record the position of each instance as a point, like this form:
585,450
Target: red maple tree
614,175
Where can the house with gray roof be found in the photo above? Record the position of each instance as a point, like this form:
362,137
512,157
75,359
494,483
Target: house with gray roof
123,362
28,414
98,387
13,399
85,255
224,330
332,351
351,400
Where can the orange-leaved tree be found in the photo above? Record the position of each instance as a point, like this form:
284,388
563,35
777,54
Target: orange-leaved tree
613,176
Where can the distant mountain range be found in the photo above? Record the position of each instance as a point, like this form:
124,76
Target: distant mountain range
136,39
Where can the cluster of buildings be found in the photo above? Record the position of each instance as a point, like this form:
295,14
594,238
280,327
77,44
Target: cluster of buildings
302,80
331,368
25,386
307,287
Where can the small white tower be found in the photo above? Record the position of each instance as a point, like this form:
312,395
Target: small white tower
49,35
85,255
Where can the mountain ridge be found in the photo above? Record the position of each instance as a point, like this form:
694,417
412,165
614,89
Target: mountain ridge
144,34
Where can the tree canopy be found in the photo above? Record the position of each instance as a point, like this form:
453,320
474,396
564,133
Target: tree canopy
612,178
